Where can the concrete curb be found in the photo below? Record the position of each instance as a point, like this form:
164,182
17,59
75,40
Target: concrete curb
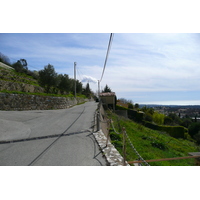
113,157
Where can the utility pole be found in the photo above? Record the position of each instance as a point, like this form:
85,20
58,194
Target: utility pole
75,80
98,88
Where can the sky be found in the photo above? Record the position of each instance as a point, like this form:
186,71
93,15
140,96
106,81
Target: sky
146,68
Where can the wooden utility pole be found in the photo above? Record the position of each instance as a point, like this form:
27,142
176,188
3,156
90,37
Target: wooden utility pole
98,88
75,80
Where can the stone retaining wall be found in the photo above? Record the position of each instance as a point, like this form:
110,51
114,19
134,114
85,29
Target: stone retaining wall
34,102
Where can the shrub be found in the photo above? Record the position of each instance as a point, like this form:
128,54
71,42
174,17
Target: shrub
148,117
115,137
130,106
193,129
174,131
158,118
168,120
135,115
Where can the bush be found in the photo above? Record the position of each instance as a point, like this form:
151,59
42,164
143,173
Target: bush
168,120
135,115
148,117
130,106
193,129
158,118
115,137
174,131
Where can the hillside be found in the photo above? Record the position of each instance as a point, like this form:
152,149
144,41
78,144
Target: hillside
10,80
151,144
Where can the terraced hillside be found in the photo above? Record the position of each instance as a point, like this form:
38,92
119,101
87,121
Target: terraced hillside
10,80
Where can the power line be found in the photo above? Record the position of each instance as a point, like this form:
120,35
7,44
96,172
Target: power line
108,50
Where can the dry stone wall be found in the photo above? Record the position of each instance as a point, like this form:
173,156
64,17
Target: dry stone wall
35,102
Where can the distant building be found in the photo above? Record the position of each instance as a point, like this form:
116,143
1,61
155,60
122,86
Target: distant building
108,99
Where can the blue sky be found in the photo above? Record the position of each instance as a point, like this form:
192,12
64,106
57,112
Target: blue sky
144,67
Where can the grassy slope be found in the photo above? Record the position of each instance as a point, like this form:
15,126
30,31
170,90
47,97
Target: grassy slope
13,76
151,144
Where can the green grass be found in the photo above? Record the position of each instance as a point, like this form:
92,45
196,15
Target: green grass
13,76
42,94
151,144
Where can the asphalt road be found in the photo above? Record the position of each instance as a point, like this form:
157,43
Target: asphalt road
51,137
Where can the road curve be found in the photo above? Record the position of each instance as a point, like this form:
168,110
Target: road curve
54,138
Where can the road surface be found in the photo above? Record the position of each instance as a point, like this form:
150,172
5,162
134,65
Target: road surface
50,137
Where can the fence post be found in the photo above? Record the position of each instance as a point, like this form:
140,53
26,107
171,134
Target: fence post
108,134
124,146
98,121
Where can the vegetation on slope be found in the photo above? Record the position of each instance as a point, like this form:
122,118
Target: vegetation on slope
151,144
20,79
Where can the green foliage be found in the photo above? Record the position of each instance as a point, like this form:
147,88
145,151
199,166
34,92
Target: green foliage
174,131
137,106
151,144
194,129
148,117
168,120
87,91
64,83
106,89
47,77
158,118
40,94
135,115
120,108
175,118
130,106
186,122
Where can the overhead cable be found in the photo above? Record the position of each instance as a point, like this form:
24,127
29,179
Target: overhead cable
108,50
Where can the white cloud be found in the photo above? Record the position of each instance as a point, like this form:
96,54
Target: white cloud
89,79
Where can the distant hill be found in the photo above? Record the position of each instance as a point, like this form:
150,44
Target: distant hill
159,105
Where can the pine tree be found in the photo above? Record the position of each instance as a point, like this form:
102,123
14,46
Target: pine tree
106,89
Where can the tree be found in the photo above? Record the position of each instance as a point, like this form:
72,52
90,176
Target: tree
148,117
194,129
20,66
79,86
64,83
186,122
137,106
106,89
168,120
47,77
87,91
130,106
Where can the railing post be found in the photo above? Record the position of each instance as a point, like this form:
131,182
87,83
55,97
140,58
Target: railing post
108,133
98,121
124,146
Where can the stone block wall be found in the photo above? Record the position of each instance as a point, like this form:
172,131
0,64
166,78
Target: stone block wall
35,102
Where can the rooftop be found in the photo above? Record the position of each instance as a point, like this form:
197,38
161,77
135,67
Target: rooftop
107,94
